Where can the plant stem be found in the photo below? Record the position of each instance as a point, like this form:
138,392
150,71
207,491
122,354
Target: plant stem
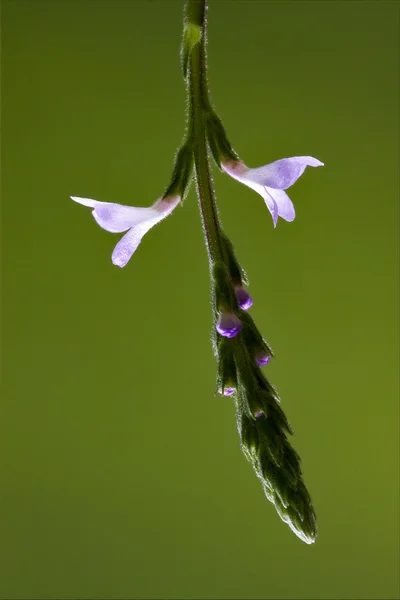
198,103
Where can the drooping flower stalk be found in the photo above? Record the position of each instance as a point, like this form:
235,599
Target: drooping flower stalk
239,347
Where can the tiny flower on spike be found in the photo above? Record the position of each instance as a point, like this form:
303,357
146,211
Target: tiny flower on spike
136,221
228,324
243,297
271,180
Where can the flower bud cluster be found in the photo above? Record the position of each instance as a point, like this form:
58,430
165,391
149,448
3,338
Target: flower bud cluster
262,424
277,465
231,303
263,429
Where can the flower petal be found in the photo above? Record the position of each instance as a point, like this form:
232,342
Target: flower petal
116,217
283,173
131,240
84,201
128,244
271,204
268,194
285,205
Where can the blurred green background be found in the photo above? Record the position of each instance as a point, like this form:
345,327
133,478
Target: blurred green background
121,472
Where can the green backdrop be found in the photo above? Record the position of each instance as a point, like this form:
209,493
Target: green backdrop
121,471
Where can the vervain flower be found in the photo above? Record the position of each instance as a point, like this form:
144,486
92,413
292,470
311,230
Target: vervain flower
228,324
271,180
136,221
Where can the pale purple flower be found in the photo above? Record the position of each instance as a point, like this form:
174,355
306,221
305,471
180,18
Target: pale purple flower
136,221
262,359
271,180
228,324
259,414
244,299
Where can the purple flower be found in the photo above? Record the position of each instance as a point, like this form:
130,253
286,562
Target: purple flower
228,324
244,299
136,221
271,180
259,414
262,359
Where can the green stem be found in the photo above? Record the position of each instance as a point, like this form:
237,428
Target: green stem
198,104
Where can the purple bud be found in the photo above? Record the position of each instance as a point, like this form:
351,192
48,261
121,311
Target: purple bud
229,391
259,414
228,324
262,359
244,299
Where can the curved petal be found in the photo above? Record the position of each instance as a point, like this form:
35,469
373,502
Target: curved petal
130,241
84,201
283,173
239,171
116,217
277,201
127,245
271,204
285,205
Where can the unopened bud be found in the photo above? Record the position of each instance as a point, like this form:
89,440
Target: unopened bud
262,359
228,391
243,297
228,324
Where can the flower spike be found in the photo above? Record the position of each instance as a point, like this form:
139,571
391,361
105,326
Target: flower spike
137,221
271,180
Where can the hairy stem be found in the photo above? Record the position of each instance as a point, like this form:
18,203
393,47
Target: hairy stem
198,102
